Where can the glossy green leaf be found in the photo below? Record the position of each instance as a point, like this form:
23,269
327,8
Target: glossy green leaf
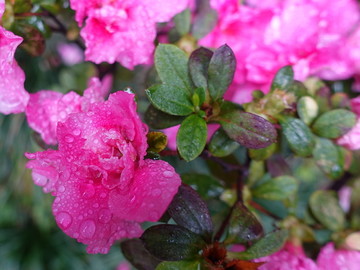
283,78
160,120
183,22
298,135
198,66
200,96
243,226
189,211
267,245
250,130
191,137
278,188
328,158
205,19
172,242
170,99
325,207
172,66
180,265
221,71
334,124
221,145
307,109
135,252
206,185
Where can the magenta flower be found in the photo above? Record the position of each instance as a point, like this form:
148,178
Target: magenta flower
13,96
46,108
332,259
103,186
351,140
290,257
123,30
264,37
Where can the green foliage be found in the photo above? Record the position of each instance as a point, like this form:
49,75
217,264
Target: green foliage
221,145
278,188
283,78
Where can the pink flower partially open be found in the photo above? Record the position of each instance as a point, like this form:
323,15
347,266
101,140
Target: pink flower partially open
122,30
13,96
290,257
331,259
103,186
47,108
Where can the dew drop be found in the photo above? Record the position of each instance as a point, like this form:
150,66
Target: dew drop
103,195
87,191
87,228
64,220
95,205
69,139
39,179
61,189
77,132
168,174
132,199
104,215
156,192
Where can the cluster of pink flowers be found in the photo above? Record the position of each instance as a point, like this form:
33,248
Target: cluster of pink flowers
329,258
103,186
122,30
267,35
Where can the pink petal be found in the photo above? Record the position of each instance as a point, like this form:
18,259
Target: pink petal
331,259
152,190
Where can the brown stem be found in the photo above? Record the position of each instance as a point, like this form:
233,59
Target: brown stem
262,209
29,14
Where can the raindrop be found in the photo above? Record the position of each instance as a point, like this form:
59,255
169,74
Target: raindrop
87,228
88,191
61,189
77,132
104,215
156,192
168,173
69,139
64,220
39,179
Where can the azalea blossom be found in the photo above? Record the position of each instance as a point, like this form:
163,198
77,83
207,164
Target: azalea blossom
265,37
330,258
13,96
122,30
46,108
102,185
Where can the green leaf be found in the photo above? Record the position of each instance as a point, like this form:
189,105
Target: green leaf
221,145
157,141
160,120
263,153
221,71
198,66
298,135
135,252
267,245
191,137
328,158
325,207
207,186
283,78
250,130
170,99
243,226
307,109
172,242
278,188
172,66
190,211
205,19
180,265
334,124
183,21
200,96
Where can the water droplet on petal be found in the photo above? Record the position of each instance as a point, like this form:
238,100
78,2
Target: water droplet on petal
77,132
156,192
69,139
61,189
104,215
95,205
87,191
168,174
39,179
64,220
87,228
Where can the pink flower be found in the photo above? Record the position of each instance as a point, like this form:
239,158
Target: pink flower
265,37
47,108
122,30
351,140
103,186
70,54
332,259
13,96
290,257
